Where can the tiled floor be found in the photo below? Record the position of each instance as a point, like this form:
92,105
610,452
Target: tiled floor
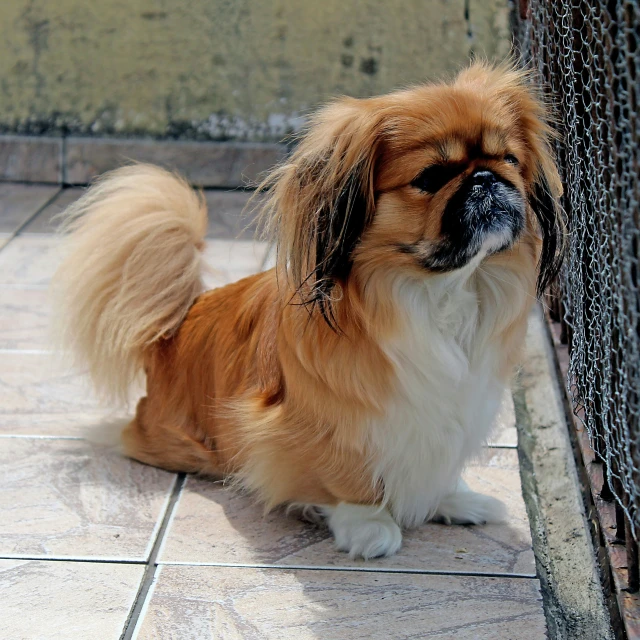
93,545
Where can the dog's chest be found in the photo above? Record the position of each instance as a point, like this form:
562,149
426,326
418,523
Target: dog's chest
445,398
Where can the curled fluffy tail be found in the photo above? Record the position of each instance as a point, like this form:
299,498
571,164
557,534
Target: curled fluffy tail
131,272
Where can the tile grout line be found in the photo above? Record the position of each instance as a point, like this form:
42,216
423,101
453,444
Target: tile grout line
500,446
166,520
145,605
151,566
394,570
77,559
32,217
291,567
170,519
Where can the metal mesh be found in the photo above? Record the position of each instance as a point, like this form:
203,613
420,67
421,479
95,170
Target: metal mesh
587,53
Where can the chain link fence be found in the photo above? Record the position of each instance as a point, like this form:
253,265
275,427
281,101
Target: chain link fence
587,52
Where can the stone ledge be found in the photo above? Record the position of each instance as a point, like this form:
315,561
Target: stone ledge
77,160
567,567
30,159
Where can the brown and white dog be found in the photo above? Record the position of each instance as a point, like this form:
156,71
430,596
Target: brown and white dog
363,372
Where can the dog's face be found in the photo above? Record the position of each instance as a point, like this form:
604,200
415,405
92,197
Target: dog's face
426,180
453,190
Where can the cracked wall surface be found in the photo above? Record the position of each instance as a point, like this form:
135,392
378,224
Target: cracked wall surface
222,69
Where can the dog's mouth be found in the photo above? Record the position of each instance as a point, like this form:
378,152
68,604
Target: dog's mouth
485,216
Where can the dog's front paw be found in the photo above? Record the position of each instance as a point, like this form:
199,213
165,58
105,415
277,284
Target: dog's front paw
469,507
364,531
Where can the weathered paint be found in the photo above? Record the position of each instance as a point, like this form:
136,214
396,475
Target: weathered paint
222,69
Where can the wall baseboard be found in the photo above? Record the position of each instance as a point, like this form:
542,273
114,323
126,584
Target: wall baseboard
78,160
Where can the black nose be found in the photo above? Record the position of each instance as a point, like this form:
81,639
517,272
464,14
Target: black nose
483,178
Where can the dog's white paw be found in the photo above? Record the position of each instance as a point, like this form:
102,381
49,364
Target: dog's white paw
364,531
468,507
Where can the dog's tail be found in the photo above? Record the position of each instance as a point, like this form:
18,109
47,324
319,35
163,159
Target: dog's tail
131,273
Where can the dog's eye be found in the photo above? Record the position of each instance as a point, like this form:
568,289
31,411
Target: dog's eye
433,178
511,159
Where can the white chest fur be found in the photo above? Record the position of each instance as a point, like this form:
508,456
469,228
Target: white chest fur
447,388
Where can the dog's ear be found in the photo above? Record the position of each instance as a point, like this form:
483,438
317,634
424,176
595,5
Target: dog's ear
545,205
545,185
323,199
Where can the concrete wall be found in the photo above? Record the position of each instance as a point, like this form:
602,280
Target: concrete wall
222,69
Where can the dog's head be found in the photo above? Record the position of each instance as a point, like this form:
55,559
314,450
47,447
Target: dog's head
425,180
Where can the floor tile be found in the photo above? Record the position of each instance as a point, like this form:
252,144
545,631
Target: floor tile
504,432
30,260
24,318
94,425
74,499
230,260
65,600
222,602
39,383
213,524
269,260
229,216
43,222
18,202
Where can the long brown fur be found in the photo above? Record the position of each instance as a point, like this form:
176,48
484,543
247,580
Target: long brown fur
273,379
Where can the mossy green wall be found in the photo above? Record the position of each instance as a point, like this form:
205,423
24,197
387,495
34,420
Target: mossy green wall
222,69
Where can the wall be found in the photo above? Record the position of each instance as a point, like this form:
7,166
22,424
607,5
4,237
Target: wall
222,69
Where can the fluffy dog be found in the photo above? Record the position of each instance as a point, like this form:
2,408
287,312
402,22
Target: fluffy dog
363,371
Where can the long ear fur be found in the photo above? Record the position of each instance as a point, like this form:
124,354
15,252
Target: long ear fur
544,197
546,208
322,200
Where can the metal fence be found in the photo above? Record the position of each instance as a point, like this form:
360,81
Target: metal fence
587,52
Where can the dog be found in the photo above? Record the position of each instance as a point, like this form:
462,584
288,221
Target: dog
361,373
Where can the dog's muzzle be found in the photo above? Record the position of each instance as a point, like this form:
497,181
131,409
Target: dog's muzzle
487,214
